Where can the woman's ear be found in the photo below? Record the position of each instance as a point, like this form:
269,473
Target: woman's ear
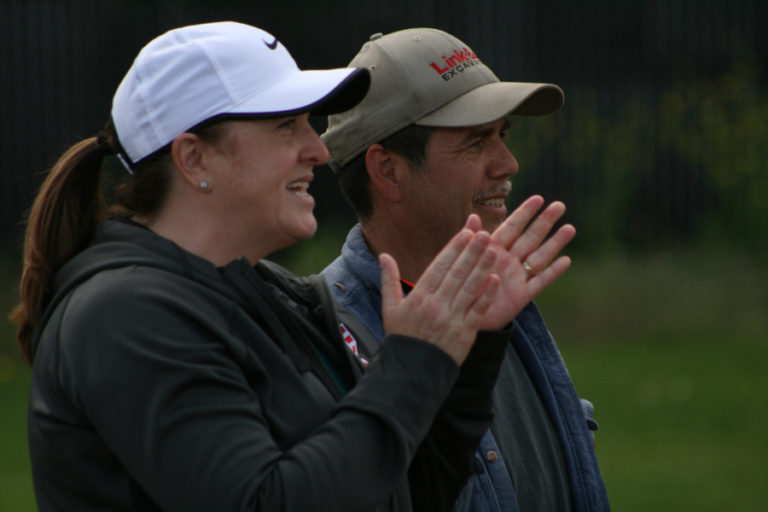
188,153
386,171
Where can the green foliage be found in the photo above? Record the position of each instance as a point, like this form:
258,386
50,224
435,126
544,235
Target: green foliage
681,165
721,126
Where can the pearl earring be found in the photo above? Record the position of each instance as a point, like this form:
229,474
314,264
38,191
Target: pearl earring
204,185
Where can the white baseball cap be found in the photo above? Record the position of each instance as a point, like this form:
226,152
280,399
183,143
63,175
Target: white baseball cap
200,73
428,77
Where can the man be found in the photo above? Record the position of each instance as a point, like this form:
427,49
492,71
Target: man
420,153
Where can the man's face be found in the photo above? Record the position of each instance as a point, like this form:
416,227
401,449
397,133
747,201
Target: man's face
467,171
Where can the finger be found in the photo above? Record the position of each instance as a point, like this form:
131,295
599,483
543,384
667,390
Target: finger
439,267
537,231
468,262
548,276
483,302
391,290
506,234
541,257
474,283
474,223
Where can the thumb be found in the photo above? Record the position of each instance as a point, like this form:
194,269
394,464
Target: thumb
391,291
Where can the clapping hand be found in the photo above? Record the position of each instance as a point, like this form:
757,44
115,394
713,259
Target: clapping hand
524,257
452,297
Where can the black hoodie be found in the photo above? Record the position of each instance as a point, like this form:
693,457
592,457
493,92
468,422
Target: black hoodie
163,382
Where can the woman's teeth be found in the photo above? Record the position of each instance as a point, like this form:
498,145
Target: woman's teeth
299,187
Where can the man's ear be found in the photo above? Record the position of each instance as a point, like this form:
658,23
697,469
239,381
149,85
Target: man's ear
188,156
386,171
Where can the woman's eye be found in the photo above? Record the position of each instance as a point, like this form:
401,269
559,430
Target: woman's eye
288,124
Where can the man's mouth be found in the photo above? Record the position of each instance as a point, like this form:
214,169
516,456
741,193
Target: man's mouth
494,197
491,201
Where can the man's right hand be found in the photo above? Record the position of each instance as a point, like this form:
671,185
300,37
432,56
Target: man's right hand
525,257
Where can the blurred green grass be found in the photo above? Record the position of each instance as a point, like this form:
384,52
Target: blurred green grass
15,480
669,346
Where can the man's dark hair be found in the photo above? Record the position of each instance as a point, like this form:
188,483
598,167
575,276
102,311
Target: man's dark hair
410,143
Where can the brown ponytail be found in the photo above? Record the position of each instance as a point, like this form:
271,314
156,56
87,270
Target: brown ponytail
62,218
70,204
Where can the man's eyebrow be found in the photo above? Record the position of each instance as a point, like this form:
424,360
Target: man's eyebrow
485,131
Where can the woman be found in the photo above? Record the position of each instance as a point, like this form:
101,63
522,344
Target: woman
169,372
174,369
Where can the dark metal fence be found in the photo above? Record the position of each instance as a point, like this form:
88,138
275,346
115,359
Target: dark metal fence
662,138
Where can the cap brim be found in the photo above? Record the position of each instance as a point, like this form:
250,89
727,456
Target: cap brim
496,100
327,91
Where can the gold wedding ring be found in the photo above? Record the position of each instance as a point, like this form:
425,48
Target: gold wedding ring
529,269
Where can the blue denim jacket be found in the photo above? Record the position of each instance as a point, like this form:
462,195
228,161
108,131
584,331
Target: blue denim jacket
355,281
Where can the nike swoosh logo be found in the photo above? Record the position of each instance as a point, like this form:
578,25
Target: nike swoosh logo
271,45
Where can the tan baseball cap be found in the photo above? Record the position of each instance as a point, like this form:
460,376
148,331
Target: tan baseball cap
428,77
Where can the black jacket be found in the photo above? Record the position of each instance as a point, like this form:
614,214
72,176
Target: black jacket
163,382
